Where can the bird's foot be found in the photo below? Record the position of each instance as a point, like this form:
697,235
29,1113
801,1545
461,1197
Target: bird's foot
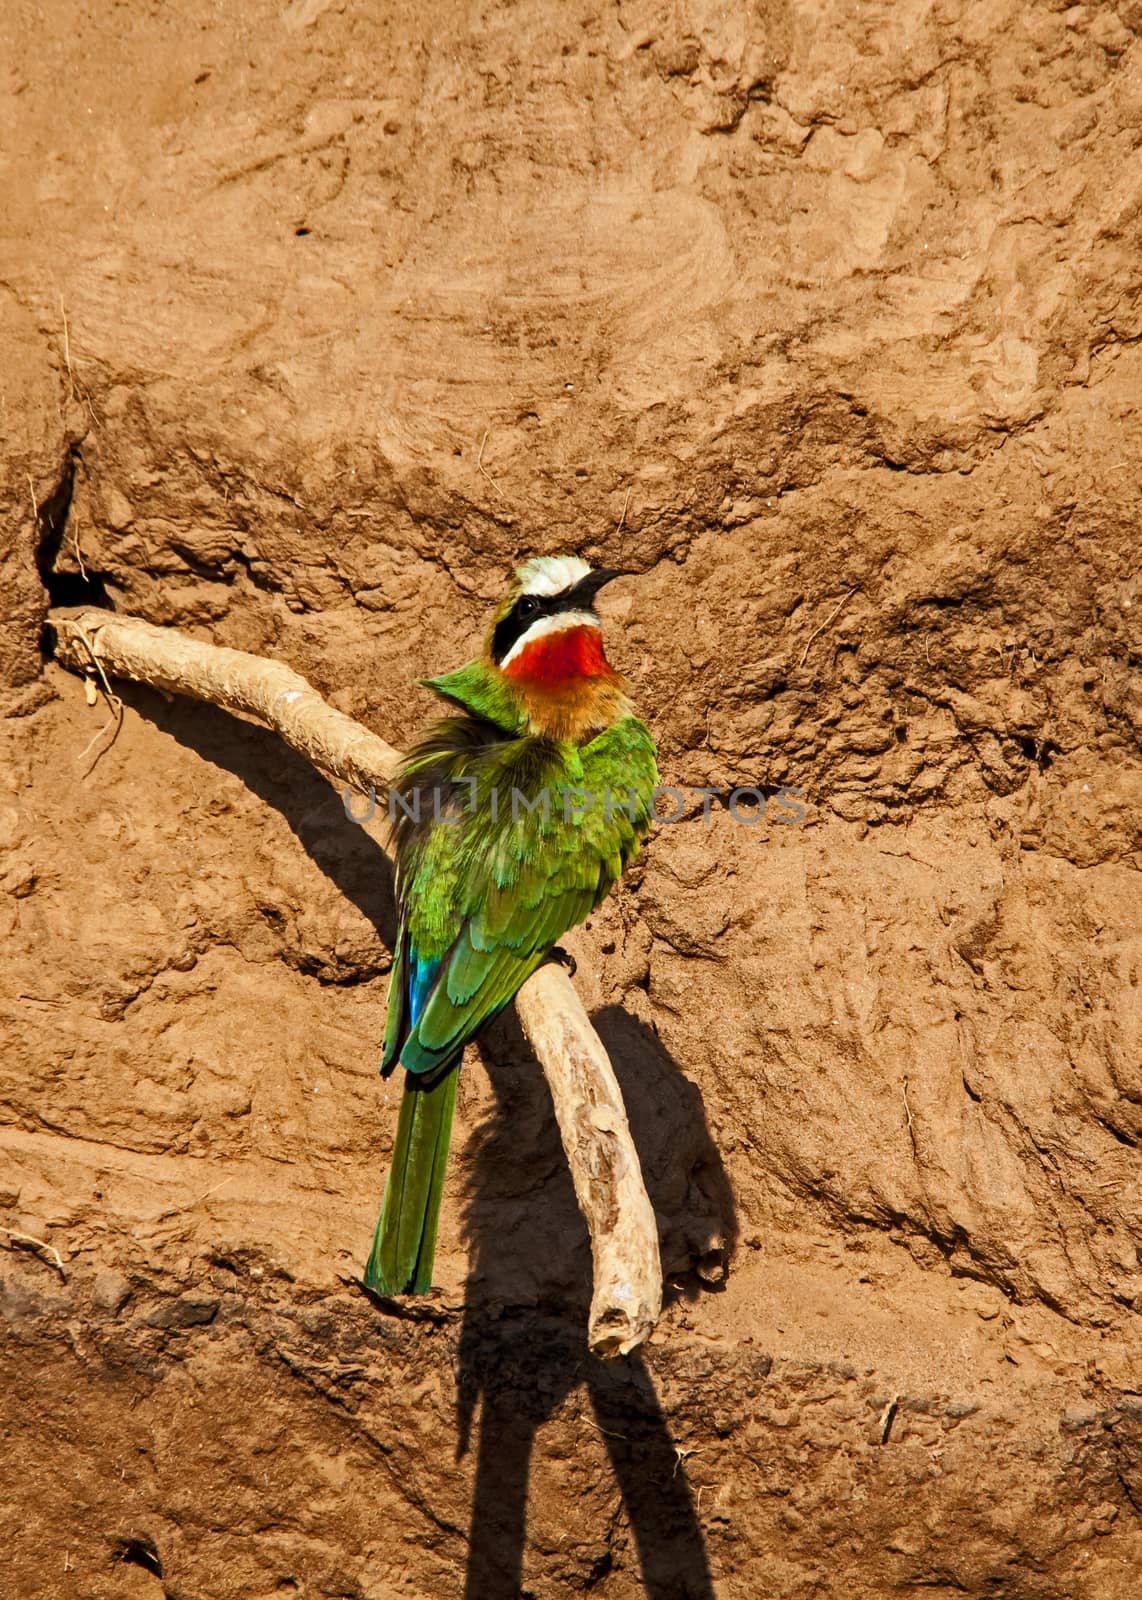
563,958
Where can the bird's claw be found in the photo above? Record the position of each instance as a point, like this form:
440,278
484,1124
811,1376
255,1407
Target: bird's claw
564,958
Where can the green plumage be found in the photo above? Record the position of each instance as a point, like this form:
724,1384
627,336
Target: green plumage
490,874
405,1239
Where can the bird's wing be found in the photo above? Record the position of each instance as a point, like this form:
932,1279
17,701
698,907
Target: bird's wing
507,891
517,897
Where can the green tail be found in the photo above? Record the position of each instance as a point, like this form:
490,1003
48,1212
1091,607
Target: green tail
405,1240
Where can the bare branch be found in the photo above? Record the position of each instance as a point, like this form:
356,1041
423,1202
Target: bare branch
252,685
603,1160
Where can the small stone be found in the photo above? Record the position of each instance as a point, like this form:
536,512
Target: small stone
1078,1421
1103,1516
188,1311
120,512
111,1291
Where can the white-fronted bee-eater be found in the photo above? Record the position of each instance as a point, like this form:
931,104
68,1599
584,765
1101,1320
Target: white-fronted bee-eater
512,819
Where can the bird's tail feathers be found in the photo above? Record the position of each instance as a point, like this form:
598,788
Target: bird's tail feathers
405,1241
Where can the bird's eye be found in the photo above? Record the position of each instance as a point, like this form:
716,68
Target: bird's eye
528,606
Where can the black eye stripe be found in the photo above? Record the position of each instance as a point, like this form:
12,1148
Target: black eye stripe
517,621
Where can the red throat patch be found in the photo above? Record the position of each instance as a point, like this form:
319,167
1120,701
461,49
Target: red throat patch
557,660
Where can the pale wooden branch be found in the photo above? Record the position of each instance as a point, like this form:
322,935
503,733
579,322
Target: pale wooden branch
589,1106
603,1160
87,640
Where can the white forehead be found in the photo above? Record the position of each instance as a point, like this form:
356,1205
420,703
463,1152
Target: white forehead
550,575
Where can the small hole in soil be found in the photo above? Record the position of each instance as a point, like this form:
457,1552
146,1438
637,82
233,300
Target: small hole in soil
300,233
141,1552
900,732
64,588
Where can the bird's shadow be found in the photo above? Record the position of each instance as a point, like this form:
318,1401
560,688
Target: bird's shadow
523,1346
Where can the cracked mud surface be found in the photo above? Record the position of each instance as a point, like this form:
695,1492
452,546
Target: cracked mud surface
826,320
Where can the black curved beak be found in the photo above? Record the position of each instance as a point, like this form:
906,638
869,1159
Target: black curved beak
587,588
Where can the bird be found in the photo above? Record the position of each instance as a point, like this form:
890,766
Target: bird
511,819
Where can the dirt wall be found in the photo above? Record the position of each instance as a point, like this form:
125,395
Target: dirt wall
824,319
